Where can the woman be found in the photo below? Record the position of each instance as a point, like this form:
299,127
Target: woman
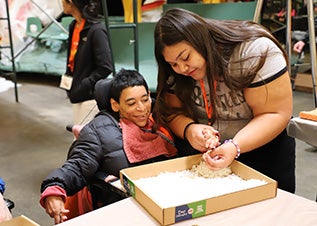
231,77
89,57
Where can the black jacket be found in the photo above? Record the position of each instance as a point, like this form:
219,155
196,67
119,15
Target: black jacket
98,148
93,61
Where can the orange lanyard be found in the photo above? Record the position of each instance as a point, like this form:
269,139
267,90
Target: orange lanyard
74,44
207,107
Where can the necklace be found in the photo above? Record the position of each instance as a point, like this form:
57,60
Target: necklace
208,108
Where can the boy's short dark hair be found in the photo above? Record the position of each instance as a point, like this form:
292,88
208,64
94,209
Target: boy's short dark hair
124,79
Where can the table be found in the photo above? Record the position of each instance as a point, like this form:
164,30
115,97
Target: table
285,209
303,129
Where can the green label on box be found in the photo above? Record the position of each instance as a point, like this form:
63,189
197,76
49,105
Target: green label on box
189,211
129,186
131,190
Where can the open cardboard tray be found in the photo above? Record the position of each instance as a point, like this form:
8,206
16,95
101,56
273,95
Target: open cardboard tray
19,221
170,215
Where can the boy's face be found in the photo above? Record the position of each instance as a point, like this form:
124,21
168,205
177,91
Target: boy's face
134,105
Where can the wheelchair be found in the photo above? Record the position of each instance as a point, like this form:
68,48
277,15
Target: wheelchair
103,193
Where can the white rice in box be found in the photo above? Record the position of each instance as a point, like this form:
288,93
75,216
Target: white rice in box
177,188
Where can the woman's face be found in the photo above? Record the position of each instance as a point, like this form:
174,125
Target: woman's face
134,105
185,60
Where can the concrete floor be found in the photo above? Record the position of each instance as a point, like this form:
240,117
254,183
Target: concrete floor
33,141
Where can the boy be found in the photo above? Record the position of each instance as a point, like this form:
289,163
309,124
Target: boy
119,137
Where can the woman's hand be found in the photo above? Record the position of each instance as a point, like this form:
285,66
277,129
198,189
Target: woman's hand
220,157
202,137
54,206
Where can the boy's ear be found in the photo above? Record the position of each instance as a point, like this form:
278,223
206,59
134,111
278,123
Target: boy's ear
114,105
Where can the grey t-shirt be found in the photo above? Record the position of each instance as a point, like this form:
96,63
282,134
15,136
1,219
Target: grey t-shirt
233,111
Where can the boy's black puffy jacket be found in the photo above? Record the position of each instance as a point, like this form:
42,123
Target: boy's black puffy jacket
98,148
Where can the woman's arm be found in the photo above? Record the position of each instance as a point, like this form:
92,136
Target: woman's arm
272,106
201,137
272,109
178,124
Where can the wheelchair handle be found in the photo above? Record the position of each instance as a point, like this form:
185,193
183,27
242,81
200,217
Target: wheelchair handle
69,127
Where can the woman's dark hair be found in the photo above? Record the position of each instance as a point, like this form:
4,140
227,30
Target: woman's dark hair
90,9
215,41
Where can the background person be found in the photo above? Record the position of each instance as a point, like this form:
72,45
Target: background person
229,76
5,213
89,57
300,44
117,138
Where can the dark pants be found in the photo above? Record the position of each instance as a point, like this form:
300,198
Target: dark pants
276,160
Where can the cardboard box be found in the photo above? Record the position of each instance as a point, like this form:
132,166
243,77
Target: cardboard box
19,221
304,82
170,215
